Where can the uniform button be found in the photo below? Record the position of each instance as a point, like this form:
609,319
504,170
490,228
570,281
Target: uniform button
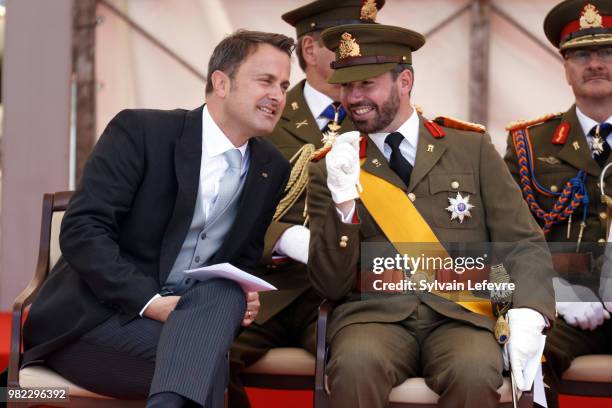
343,244
411,197
197,259
344,238
601,240
455,185
603,215
203,236
554,188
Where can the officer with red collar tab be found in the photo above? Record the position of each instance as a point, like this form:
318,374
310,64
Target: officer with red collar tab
422,181
557,160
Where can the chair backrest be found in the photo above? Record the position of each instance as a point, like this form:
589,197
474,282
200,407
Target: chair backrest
53,208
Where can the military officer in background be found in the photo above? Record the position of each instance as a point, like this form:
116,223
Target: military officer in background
287,317
412,169
557,161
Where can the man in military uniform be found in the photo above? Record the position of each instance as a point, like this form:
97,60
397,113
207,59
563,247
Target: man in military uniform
557,160
287,317
412,169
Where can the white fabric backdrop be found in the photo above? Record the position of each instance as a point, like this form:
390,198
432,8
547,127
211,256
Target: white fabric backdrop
526,81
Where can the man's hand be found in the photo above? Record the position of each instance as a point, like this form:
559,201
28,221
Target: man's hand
252,308
578,305
525,343
342,164
160,308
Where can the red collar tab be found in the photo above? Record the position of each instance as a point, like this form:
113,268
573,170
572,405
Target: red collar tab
561,133
435,129
363,145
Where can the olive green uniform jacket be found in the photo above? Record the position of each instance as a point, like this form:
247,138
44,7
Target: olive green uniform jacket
555,164
296,128
499,215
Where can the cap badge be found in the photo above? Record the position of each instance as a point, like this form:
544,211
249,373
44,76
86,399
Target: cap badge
590,17
369,10
349,47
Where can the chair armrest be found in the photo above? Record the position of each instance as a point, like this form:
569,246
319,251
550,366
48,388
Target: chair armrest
320,397
26,296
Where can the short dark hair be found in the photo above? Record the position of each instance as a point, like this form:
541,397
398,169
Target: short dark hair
236,47
298,48
399,68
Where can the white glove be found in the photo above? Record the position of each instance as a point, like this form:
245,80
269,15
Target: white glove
342,164
294,243
605,282
578,305
525,346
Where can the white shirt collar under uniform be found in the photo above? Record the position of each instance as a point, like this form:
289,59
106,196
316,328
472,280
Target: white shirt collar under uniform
317,102
587,124
410,130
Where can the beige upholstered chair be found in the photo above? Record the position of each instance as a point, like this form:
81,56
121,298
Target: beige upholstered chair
589,375
37,376
412,393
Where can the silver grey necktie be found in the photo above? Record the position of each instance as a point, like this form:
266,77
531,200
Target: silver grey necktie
229,183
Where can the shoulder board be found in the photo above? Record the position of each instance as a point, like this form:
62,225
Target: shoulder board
522,124
459,124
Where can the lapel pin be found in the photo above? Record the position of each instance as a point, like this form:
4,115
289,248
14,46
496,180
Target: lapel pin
295,106
375,162
264,174
430,148
576,145
302,123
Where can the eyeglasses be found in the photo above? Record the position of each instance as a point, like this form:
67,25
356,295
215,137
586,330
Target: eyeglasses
583,56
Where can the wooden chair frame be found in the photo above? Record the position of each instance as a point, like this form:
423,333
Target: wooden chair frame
52,202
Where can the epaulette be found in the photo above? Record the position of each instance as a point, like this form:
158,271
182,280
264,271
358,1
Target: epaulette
522,124
459,124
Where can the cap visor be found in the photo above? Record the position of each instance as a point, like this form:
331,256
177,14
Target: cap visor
359,72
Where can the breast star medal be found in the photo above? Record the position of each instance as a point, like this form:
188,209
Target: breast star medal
459,207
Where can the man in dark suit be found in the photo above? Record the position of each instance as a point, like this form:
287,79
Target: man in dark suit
162,192
288,315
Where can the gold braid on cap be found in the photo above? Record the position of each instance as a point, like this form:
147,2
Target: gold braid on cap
368,10
297,180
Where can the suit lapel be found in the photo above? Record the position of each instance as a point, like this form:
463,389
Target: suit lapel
377,165
429,151
187,163
252,200
576,149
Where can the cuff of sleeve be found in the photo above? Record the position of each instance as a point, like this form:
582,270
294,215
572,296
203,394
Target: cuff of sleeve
148,303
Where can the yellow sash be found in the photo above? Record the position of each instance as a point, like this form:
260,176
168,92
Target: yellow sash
402,223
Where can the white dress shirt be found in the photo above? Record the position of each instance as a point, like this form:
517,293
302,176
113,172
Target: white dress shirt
587,124
213,166
317,102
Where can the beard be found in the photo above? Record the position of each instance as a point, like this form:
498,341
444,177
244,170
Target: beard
385,113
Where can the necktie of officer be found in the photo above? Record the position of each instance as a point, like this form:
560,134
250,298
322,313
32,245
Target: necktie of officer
602,131
230,181
397,162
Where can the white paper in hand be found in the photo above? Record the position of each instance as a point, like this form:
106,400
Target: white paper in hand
248,282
